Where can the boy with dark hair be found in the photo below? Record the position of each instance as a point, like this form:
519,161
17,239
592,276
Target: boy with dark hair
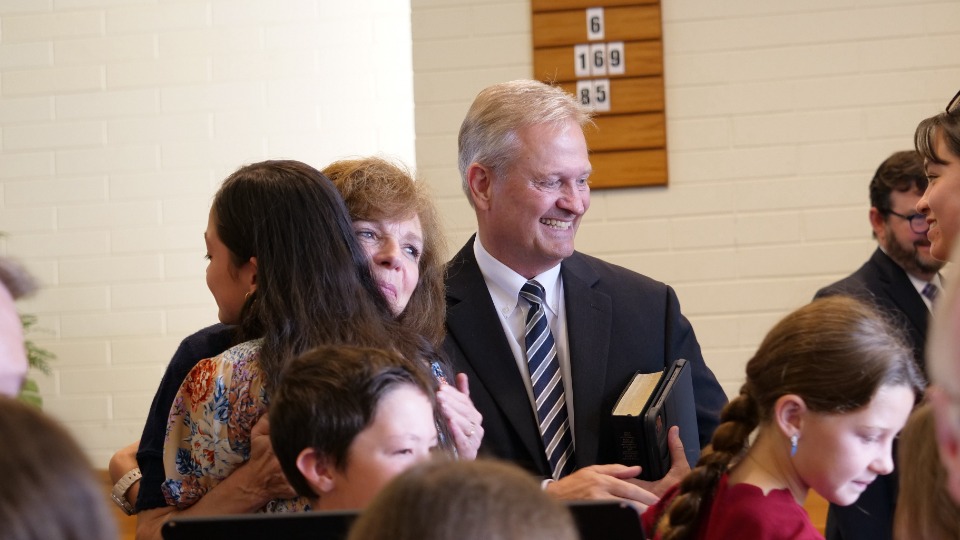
346,420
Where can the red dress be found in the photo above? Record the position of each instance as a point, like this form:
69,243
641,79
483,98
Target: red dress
743,511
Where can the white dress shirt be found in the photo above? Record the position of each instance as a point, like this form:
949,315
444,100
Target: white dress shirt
919,284
504,286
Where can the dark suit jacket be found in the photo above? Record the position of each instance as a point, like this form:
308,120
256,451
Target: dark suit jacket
618,323
883,283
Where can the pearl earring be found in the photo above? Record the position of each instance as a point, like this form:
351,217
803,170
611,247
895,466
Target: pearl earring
793,444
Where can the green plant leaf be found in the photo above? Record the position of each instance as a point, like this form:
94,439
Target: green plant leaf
39,359
30,393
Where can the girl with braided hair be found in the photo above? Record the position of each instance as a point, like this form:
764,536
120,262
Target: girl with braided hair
827,392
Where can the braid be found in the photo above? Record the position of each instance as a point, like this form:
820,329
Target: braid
833,353
737,421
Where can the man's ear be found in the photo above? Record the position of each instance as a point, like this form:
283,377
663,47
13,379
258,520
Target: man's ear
878,222
480,182
317,469
788,414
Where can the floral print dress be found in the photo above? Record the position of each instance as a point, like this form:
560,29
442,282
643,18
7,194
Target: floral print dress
208,430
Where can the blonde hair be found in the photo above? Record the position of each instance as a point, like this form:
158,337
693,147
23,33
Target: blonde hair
925,510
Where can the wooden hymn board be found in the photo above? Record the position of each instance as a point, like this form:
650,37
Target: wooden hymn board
611,58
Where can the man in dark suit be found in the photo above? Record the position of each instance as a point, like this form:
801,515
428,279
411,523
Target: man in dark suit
901,278
524,165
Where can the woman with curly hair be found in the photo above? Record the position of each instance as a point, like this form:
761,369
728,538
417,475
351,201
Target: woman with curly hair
398,227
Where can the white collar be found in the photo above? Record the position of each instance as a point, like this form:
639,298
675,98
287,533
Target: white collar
504,284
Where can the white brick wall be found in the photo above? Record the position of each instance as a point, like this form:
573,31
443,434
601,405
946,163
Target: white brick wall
119,119
777,115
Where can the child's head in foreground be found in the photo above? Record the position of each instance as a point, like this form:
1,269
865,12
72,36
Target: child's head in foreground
345,420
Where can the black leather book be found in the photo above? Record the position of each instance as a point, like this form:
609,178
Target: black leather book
647,408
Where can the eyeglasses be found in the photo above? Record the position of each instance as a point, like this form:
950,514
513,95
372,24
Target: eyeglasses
918,222
954,104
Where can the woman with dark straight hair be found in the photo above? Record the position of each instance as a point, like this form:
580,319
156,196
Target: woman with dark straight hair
937,140
396,224
286,269
285,228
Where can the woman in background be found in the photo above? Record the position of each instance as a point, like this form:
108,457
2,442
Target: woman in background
827,392
397,225
937,139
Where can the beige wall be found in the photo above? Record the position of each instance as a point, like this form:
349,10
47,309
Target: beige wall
777,115
119,118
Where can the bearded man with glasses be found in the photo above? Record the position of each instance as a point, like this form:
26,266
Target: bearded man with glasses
902,278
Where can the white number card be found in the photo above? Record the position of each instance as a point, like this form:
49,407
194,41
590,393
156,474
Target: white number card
595,24
581,60
598,60
616,60
594,94
601,95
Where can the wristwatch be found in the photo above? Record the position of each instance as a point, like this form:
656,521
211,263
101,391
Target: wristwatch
119,494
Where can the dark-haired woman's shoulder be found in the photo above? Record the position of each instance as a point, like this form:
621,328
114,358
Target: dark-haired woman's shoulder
205,343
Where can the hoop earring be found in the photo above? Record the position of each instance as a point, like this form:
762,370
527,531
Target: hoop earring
793,444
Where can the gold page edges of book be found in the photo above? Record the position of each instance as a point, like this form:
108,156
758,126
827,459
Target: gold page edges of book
636,395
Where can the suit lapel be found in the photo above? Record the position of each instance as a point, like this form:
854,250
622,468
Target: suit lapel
589,313
902,292
473,323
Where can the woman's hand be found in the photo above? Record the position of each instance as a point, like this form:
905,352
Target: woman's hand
264,463
462,417
250,486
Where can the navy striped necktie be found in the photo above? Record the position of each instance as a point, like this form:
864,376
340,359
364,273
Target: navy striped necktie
547,383
930,291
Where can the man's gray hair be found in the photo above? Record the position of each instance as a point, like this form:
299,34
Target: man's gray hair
489,133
